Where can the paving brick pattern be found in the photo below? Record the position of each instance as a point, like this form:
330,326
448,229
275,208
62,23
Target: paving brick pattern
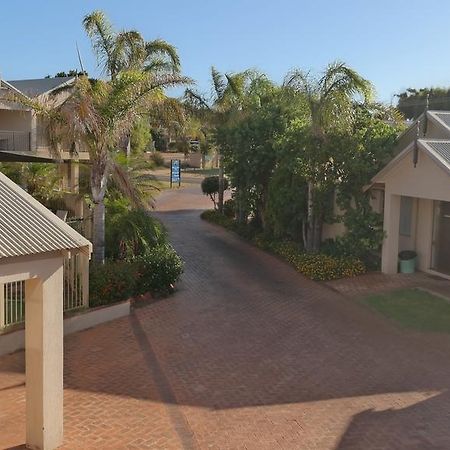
246,355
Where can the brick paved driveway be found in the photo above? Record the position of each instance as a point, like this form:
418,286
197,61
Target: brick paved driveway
247,355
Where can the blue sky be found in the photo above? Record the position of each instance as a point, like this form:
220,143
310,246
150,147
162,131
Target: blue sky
396,44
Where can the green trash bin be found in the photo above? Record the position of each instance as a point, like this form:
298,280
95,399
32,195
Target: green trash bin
408,260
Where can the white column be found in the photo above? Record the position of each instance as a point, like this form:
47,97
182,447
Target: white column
389,254
44,358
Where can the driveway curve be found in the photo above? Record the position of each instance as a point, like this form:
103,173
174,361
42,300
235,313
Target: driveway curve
248,354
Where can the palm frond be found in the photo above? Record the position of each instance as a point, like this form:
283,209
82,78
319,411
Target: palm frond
160,48
100,31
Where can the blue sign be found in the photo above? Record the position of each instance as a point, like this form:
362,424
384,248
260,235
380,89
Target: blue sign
175,171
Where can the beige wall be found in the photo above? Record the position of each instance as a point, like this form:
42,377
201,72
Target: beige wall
427,182
334,230
11,120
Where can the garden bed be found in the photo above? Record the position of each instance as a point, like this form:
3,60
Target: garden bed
316,266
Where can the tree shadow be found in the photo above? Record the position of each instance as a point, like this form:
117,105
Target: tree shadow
424,425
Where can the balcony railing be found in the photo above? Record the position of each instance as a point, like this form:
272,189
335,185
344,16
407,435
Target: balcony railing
15,141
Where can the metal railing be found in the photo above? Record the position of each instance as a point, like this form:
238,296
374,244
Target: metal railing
73,283
13,310
15,141
75,292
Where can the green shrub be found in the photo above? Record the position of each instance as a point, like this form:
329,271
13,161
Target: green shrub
159,269
229,208
214,216
157,159
130,233
210,186
112,282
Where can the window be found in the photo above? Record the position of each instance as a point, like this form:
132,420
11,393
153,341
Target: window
406,209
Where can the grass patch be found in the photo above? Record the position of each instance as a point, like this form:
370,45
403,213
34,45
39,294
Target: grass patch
413,309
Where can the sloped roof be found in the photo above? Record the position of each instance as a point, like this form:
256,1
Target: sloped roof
28,228
39,86
442,116
441,148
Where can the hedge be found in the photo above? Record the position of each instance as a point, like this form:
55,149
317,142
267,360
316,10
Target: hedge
116,280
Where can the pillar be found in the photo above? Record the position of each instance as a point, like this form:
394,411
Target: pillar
391,224
44,358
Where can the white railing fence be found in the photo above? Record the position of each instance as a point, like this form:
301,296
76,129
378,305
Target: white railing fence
75,291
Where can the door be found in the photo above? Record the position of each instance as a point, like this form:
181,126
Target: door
441,237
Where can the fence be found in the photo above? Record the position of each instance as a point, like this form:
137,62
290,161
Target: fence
15,141
75,292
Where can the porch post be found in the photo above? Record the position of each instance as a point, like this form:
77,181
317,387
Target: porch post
2,306
389,254
44,358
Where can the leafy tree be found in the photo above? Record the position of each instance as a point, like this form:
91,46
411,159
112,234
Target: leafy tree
210,186
127,49
413,102
220,109
330,100
249,144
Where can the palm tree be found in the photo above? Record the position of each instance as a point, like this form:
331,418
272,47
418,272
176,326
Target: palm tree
227,96
95,116
127,49
329,102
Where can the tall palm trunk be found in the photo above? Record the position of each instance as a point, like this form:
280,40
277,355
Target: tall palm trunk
310,219
221,184
99,177
314,223
99,232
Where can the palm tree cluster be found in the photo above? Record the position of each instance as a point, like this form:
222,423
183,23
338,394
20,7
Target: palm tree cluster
97,115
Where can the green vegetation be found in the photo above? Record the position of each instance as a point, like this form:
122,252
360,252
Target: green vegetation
293,152
412,102
316,266
210,186
414,309
139,257
154,271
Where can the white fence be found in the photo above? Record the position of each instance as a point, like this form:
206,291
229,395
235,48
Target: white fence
75,292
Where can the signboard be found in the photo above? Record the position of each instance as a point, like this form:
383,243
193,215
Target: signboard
175,172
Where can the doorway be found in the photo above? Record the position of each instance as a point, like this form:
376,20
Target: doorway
441,237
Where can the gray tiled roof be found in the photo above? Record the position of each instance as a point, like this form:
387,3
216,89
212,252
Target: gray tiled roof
442,148
444,116
33,88
27,227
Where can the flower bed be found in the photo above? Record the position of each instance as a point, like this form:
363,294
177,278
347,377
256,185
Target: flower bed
316,266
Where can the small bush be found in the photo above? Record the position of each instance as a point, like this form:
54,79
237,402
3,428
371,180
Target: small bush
210,186
130,233
157,159
159,269
213,216
229,208
112,282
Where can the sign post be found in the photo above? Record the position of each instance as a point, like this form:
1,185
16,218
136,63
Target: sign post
175,172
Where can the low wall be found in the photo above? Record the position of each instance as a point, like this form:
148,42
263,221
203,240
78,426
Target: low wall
15,340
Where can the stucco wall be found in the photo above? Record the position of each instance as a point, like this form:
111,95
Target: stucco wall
428,180
15,120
